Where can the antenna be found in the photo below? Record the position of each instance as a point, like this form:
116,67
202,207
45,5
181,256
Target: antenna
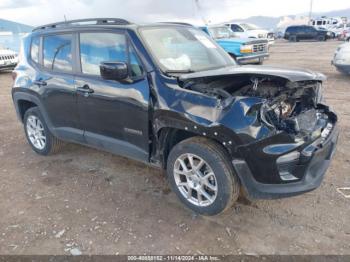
200,12
310,12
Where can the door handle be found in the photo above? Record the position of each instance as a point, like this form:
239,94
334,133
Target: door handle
85,89
40,83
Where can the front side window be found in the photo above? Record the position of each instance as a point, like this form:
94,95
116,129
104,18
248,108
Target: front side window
135,64
101,47
58,52
236,28
34,49
184,49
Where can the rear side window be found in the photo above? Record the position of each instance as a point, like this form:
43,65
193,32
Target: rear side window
34,49
58,52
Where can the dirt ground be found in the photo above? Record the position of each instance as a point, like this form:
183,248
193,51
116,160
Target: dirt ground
93,202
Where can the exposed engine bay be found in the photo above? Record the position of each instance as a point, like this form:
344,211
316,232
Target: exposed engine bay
288,106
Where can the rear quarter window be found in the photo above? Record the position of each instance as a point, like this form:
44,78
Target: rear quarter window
34,49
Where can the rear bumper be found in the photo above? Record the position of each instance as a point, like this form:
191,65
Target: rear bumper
251,58
8,66
314,172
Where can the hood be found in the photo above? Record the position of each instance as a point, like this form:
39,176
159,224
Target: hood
291,74
7,52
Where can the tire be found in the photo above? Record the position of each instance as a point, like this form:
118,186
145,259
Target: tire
292,38
260,62
35,127
216,162
321,38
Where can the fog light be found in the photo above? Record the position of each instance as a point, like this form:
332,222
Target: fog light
286,165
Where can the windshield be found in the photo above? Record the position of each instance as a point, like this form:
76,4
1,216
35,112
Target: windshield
249,26
221,32
184,49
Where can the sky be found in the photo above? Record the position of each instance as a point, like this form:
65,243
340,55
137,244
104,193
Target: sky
38,12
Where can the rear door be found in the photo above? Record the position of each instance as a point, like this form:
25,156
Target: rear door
113,114
55,83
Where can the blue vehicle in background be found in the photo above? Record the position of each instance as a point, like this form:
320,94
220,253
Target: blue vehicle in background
244,51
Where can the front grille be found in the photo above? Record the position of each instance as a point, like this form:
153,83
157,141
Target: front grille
6,57
259,48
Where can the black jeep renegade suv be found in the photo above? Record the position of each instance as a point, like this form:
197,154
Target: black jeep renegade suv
167,95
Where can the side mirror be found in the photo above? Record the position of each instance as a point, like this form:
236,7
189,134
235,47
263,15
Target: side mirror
114,70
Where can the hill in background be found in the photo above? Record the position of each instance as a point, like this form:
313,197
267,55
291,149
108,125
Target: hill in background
272,22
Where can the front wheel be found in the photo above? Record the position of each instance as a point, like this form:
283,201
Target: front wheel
201,175
322,38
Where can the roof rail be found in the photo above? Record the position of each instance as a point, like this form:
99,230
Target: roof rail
94,21
177,23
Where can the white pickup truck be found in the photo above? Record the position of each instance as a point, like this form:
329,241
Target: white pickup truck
245,30
8,59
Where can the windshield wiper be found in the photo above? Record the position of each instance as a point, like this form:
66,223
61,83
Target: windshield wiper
186,71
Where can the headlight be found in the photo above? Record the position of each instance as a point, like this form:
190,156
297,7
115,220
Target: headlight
319,93
246,49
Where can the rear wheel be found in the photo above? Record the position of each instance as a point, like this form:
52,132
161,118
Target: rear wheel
202,176
38,135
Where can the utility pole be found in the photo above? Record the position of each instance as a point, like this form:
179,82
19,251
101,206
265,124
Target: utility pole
310,13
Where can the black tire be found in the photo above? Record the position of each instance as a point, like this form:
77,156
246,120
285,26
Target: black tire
260,62
292,38
322,38
52,144
228,185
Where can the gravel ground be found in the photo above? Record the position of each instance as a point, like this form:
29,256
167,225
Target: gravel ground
87,201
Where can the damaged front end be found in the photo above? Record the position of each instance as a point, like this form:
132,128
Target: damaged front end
286,134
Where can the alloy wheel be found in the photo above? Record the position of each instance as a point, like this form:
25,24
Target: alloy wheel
36,132
195,180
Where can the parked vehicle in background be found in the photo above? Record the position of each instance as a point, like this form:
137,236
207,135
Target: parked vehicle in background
341,59
245,30
338,30
345,35
296,33
244,51
168,95
330,34
326,22
8,59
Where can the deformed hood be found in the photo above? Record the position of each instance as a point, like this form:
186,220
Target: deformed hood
291,74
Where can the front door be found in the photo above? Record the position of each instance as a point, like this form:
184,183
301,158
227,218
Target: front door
113,114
